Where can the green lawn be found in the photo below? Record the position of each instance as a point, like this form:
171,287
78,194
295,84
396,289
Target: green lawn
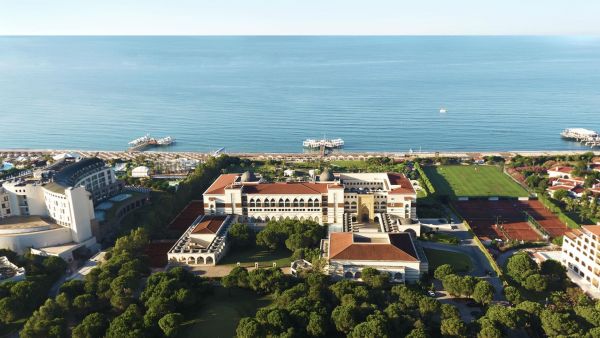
460,261
221,312
265,258
473,181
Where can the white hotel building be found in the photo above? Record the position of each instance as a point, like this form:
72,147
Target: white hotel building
326,200
581,256
56,209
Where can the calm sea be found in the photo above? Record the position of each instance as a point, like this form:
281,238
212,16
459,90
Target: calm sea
269,93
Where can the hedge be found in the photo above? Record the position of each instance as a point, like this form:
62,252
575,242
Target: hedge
425,179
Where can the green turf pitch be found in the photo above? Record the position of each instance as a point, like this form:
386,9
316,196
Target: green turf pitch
473,181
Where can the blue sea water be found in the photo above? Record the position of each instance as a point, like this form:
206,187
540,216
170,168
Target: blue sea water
269,93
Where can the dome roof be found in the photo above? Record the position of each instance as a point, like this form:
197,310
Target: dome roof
248,176
326,176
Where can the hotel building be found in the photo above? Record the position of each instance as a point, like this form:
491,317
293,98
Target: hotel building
393,253
326,199
581,256
56,207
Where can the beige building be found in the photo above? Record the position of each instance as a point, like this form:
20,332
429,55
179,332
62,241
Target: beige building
326,199
581,256
204,242
394,253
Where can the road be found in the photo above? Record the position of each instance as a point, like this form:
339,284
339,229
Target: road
480,263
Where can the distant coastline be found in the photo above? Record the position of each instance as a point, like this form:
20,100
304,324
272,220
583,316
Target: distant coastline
298,156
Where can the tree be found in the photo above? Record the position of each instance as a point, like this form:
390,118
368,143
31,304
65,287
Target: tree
85,304
374,278
560,194
418,332
374,326
443,271
248,328
452,284
558,323
520,266
483,293
264,281
317,325
512,294
489,331
449,311
92,326
10,309
169,324
453,327
535,282
428,306
344,318
129,324
237,277
241,236
467,285
508,317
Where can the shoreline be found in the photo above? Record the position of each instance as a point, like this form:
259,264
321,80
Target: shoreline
110,154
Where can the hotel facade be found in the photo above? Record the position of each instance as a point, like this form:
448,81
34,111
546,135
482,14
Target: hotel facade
581,256
55,206
325,199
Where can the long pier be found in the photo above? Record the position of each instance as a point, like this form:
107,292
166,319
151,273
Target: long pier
295,157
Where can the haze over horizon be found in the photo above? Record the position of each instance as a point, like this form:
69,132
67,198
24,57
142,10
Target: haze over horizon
290,17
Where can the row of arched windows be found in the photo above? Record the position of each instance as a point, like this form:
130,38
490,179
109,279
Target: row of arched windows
284,203
261,219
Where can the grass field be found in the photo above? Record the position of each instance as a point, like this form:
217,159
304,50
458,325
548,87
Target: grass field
221,312
265,258
473,181
460,262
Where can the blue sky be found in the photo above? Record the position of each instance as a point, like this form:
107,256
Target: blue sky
310,17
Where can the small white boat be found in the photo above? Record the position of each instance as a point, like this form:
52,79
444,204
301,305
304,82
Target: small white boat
165,141
443,110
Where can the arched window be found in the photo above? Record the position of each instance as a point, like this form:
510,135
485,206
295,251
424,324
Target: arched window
301,203
252,203
348,275
316,203
398,276
267,203
357,275
287,203
258,203
309,203
295,203
273,203
281,204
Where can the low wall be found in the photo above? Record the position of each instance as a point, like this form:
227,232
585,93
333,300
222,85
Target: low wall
21,242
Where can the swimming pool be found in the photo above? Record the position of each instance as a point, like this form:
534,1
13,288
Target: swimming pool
6,166
104,206
120,197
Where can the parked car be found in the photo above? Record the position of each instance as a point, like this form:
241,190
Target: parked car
431,293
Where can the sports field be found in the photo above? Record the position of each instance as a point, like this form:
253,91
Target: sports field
472,181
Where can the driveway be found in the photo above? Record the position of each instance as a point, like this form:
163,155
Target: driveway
480,262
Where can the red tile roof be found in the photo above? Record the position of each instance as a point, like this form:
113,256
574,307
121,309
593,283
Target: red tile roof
209,225
301,188
343,246
218,186
401,180
595,229
566,170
